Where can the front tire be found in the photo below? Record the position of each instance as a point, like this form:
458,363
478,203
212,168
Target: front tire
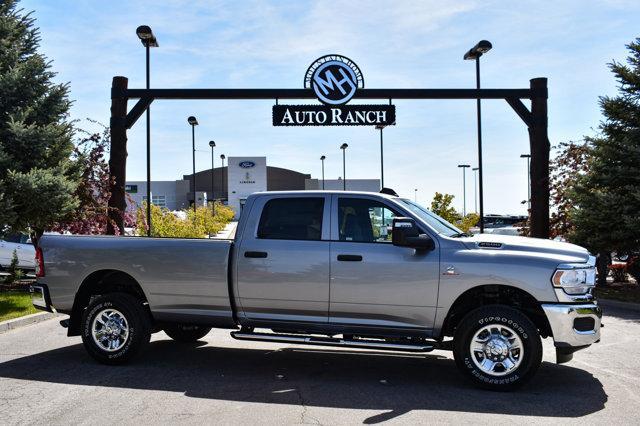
115,327
186,333
497,347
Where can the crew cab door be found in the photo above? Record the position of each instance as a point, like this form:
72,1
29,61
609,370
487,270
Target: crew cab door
374,283
283,259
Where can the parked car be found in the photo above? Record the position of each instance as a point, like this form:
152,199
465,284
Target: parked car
21,244
501,221
505,230
316,268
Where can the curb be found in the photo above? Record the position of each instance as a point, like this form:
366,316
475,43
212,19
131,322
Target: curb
12,324
608,303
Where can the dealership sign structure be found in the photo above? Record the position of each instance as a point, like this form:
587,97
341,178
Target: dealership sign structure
335,80
346,115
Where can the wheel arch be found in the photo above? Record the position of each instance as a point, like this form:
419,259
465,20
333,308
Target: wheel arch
100,282
491,294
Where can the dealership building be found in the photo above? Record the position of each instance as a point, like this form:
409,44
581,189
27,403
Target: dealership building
234,183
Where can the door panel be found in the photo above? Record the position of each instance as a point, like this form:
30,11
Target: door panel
279,277
290,283
391,286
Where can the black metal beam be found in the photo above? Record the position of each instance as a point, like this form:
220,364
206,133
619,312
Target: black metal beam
521,110
309,94
136,112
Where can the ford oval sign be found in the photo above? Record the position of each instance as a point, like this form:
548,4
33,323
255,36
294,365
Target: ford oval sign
247,164
334,79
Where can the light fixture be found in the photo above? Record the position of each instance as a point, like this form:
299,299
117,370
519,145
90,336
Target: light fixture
146,36
478,50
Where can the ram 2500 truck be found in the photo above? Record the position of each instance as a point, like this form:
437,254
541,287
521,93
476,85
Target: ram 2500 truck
349,269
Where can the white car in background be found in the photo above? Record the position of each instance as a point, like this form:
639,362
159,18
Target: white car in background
25,251
506,230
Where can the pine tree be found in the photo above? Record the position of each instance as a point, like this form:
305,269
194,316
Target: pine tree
607,196
37,178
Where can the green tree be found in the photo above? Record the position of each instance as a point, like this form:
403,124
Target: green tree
607,196
37,178
441,205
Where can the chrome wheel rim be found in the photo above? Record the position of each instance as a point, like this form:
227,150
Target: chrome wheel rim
110,330
496,350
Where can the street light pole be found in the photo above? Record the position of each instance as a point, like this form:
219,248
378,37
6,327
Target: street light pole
464,188
528,157
415,195
193,122
222,157
475,189
322,160
344,147
381,127
212,144
148,40
475,53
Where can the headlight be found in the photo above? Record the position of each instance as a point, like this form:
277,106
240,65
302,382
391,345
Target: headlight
575,278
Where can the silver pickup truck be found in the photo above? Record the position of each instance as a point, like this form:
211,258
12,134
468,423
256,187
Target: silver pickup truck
348,269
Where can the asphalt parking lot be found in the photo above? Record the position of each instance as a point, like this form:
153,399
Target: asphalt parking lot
46,377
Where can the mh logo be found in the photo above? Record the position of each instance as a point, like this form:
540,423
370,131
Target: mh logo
334,79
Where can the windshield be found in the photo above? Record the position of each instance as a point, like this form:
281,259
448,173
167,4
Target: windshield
440,225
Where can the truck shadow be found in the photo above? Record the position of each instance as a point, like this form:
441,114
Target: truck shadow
623,313
393,384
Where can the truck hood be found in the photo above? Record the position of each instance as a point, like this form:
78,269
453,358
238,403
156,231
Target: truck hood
526,244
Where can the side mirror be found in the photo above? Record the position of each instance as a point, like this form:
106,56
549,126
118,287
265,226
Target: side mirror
406,234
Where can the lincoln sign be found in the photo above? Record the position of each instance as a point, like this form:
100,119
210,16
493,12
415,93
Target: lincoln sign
335,80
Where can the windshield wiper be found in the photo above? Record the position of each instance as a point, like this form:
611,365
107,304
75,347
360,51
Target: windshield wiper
461,234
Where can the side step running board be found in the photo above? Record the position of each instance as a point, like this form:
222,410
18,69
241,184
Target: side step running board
330,341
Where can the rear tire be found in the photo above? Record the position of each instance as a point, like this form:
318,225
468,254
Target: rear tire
115,328
497,347
186,333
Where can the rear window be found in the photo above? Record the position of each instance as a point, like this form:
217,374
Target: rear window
15,238
292,219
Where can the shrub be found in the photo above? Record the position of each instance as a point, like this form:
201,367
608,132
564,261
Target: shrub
469,221
185,223
15,273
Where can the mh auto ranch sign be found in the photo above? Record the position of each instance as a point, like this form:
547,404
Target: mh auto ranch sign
334,79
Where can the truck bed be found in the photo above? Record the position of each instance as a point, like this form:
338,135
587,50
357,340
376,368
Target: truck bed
185,278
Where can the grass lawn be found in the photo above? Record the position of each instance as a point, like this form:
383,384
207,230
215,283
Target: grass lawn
624,293
14,305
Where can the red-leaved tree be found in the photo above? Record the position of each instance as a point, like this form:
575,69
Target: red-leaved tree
90,156
569,163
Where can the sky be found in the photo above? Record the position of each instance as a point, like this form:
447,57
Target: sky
396,44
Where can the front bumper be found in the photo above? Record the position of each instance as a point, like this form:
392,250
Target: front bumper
573,326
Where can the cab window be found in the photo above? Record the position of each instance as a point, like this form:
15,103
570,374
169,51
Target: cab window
364,221
292,219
